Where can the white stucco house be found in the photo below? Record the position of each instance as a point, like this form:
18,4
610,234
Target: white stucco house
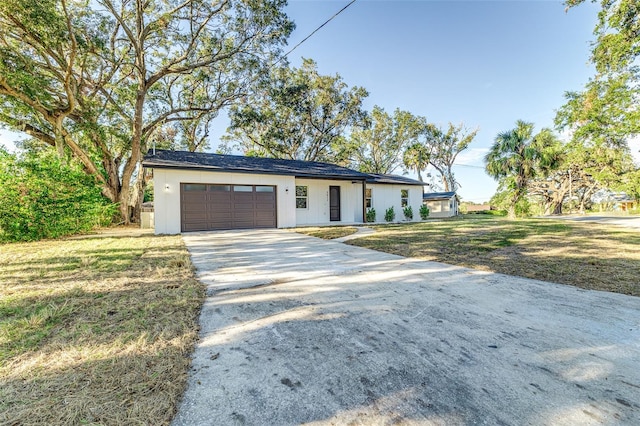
202,191
441,204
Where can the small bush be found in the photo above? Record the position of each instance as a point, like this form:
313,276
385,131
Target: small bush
390,214
371,215
408,213
424,212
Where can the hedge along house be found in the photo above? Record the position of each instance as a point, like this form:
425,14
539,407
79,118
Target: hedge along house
202,191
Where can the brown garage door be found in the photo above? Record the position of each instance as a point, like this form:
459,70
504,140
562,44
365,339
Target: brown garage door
205,207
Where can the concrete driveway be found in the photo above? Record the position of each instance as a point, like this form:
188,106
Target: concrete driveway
296,330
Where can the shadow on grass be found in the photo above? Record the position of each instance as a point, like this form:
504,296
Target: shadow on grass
102,335
584,255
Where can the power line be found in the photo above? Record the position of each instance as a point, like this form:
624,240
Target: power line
314,31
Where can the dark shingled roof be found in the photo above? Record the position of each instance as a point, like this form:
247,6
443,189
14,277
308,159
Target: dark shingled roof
392,179
239,164
433,196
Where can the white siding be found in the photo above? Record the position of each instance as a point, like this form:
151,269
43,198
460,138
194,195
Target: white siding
317,211
166,198
442,208
384,196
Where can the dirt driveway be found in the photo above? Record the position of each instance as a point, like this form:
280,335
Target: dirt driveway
296,330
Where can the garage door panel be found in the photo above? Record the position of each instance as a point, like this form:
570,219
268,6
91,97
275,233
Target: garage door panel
197,216
215,206
195,226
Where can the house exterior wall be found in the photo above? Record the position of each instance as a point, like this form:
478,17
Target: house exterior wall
166,197
317,210
442,208
384,196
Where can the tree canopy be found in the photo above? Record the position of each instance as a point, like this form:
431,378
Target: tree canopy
445,147
378,145
607,111
100,80
296,113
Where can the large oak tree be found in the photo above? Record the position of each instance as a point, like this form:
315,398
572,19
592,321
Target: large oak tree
98,79
296,113
378,146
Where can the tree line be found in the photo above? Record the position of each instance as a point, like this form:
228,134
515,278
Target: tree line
100,83
601,119
299,114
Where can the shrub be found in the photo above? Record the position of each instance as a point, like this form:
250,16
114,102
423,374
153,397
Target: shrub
390,214
40,197
424,212
371,215
408,212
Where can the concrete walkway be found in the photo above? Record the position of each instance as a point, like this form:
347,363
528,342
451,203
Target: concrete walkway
362,231
297,330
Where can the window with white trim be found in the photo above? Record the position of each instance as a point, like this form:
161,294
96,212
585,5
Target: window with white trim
368,198
302,197
404,197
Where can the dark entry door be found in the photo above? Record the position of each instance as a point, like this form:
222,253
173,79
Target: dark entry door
334,203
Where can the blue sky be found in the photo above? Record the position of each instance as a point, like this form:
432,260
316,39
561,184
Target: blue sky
482,63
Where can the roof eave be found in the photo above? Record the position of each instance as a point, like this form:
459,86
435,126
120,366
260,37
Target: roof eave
151,164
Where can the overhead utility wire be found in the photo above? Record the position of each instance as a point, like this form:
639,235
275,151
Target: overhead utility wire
314,31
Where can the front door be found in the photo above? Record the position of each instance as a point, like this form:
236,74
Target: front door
334,203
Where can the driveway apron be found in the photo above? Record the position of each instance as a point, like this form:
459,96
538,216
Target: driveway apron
298,330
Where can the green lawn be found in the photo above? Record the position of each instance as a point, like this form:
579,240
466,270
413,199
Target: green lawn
95,330
586,255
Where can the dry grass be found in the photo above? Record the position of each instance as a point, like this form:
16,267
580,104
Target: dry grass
586,255
95,330
328,232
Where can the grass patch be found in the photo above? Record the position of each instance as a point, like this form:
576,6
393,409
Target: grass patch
329,232
586,255
96,330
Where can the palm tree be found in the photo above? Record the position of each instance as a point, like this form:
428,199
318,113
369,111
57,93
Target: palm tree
518,157
416,157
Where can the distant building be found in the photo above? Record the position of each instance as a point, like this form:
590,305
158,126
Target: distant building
473,208
441,204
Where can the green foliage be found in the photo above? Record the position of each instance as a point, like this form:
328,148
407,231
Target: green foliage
296,113
517,157
389,214
490,213
378,145
424,212
416,157
444,147
607,110
148,193
102,80
371,215
40,197
408,213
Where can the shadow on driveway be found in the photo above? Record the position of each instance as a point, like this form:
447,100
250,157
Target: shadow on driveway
301,330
